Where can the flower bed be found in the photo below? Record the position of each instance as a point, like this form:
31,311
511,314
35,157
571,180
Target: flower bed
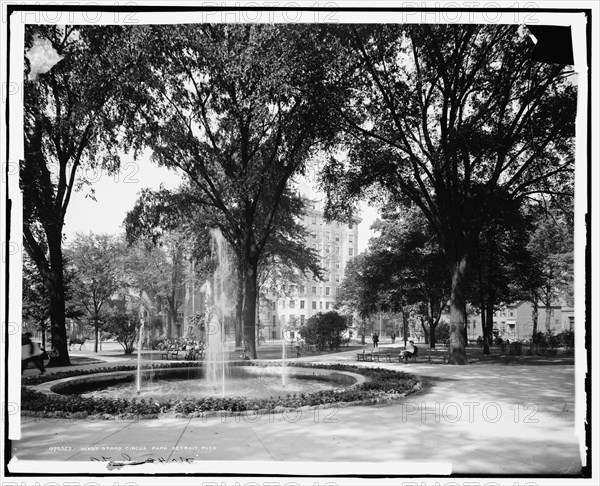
383,385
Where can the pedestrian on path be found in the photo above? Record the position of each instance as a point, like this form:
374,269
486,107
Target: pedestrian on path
375,340
31,352
393,337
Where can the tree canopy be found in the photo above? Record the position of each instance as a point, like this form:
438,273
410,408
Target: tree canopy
451,118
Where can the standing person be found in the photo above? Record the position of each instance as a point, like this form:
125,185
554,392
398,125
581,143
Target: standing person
393,337
31,352
375,340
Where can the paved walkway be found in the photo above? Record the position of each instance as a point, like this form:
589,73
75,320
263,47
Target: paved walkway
476,419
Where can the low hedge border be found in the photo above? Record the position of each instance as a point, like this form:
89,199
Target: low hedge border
384,385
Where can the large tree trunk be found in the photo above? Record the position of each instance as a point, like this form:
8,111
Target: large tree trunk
489,321
425,330
534,318
458,338
239,315
56,290
96,334
432,325
484,329
548,306
249,307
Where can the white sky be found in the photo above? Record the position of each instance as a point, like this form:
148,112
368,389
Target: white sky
116,194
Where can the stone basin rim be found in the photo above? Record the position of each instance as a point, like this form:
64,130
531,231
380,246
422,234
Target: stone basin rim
49,387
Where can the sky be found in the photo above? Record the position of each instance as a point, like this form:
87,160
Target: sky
116,194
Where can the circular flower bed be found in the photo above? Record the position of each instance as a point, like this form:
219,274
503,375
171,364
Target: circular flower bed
383,385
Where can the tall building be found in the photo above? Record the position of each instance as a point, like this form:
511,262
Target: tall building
336,243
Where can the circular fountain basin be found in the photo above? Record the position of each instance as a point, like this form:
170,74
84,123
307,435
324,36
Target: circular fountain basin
253,382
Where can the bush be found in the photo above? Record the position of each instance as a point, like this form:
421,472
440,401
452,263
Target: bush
566,339
325,330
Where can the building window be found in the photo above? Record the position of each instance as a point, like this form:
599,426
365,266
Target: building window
327,305
302,320
337,277
274,321
314,304
314,290
327,290
350,251
292,320
292,304
320,304
327,235
337,237
337,265
314,220
301,304
350,238
350,226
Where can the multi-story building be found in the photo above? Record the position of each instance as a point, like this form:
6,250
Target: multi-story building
336,243
515,322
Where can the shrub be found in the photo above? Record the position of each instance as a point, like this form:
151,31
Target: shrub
566,339
325,330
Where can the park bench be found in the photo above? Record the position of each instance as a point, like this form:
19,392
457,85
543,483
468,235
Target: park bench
401,356
373,356
171,352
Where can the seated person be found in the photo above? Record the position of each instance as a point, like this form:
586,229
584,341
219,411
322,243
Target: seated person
409,352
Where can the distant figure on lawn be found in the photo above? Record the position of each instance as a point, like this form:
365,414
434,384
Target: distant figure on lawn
31,353
375,340
393,337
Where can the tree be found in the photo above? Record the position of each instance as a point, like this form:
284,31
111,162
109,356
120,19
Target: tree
239,111
551,241
95,260
36,301
414,263
359,289
161,271
452,118
76,115
123,322
325,331
502,267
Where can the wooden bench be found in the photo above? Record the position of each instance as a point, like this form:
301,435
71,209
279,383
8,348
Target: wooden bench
173,353
373,357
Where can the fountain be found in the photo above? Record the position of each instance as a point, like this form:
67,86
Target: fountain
216,316
215,377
